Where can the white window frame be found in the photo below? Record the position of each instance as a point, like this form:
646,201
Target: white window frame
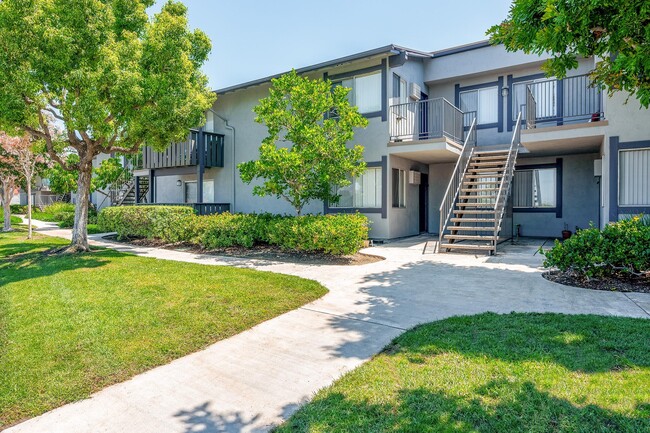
478,103
352,96
354,184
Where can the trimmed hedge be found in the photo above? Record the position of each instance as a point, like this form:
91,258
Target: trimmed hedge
331,234
619,250
18,209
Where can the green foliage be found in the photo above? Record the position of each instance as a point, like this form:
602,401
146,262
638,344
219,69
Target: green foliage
18,209
65,181
620,249
63,213
305,157
15,220
615,31
331,234
154,222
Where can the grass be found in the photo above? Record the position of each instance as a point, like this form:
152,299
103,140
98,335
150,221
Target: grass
15,220
496,373
71,325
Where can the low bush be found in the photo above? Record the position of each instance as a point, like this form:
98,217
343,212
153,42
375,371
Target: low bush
18,209
621,249
169,223
15,220
332,234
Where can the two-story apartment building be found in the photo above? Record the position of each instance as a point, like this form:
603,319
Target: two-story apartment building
575,157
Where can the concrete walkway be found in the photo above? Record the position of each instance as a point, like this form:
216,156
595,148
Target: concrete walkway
256,379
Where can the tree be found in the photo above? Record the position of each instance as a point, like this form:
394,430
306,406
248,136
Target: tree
313,159
27,161
9,177
617,31
111,76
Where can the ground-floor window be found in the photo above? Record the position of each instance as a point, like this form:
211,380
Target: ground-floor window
634,177
363,192
191,191
535,188
399,187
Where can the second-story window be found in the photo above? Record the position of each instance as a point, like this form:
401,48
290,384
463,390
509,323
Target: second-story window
365,93
482,104
399,90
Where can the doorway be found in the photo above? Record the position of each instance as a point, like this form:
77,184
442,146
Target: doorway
424,203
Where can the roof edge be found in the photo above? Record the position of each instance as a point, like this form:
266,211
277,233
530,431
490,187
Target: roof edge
461,48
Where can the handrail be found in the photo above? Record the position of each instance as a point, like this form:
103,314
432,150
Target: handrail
506,180
426,119
447,205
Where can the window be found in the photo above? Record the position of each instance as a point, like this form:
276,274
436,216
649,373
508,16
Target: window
482,103
400,95
363,192
191,191
399,188
634,177
535,188
365,93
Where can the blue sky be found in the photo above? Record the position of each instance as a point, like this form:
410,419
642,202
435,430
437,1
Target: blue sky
254,39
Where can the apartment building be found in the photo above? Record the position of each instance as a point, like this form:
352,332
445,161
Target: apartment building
472,143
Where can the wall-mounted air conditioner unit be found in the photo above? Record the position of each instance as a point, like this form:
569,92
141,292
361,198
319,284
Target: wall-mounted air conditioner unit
414,177
415,92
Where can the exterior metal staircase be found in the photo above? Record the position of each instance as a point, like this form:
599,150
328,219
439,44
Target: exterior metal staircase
471,214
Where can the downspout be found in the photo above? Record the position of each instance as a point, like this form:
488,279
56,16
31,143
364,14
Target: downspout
234,171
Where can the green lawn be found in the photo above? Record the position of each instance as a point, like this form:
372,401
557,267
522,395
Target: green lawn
15,220
496,373
71,325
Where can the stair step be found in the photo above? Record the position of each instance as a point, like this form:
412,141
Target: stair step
490,152
469,237
486,170
484,177
488,164
490,157
484,182
463,246
471,228
472,220
473,212
478,189
486,205
479,198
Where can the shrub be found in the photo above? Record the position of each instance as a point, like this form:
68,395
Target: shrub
15,220
18,209
332,234
619,250
169,223
58,207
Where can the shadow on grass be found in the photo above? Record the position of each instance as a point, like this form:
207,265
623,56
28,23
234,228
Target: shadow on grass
498,407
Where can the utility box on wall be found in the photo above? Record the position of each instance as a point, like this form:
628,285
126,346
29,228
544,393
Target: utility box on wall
414,177
598,167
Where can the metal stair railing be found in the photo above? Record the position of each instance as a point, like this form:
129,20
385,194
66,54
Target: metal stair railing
453,189
506,180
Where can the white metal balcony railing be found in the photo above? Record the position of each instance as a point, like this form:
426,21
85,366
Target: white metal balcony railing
559,102
424,120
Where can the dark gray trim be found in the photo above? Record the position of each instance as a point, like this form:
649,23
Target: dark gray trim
137,189
152,185
500,104
498,84
461,49
398,60
615,145
384,187
510,121
383,113
557,210
200,167
509,103
175,171
382,210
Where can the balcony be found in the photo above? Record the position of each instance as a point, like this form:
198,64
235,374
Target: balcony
427,131
561,116
187,153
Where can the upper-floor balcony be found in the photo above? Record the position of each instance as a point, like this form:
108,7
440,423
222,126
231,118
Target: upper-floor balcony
561,115
429,130
200,148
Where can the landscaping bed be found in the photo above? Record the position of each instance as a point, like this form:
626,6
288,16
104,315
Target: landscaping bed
72,324
262,252
496,373
609,284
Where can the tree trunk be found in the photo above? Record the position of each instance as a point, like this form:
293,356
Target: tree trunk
29,208
80,229
7,193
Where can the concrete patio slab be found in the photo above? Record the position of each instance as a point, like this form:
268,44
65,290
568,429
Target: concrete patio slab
255,380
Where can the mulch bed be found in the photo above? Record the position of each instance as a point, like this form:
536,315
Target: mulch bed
640,285
261,252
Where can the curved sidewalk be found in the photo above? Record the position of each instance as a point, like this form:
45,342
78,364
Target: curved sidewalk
254,380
